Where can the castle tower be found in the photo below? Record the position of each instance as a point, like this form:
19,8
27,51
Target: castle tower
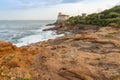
84,15
62,18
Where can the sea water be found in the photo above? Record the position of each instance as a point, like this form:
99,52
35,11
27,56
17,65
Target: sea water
23,32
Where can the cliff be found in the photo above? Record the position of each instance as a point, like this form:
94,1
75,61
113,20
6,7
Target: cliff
85,56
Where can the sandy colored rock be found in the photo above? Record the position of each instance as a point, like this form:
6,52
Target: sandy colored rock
84,56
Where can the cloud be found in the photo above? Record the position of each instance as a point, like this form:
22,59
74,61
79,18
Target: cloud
70,1
23,4
118,3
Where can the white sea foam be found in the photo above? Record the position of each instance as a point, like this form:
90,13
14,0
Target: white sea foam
23,32
41,36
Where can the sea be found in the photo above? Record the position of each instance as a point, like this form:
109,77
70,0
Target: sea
24,32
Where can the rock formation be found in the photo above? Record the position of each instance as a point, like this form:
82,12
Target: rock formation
85,56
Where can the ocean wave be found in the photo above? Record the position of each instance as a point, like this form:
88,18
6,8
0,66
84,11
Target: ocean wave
38,37
25,32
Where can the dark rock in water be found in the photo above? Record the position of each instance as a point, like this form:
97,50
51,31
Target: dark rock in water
54,28
57,26
51,24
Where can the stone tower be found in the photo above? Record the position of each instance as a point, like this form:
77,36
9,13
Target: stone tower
84,15
62,18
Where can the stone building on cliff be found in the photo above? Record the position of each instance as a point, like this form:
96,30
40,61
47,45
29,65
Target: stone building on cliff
84,15
62,18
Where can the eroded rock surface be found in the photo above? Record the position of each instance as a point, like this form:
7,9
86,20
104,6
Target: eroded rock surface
85,56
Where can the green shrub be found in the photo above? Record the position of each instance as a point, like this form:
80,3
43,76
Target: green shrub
101,19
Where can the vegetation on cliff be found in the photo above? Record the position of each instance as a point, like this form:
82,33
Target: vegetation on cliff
104,18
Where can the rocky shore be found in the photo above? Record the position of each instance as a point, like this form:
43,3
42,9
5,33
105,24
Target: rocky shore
90,54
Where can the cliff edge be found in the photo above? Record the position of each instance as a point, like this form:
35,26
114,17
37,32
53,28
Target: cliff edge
85,56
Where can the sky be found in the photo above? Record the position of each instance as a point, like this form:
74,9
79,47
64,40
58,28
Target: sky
49,9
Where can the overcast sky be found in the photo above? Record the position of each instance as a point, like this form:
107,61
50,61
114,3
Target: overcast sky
48,9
